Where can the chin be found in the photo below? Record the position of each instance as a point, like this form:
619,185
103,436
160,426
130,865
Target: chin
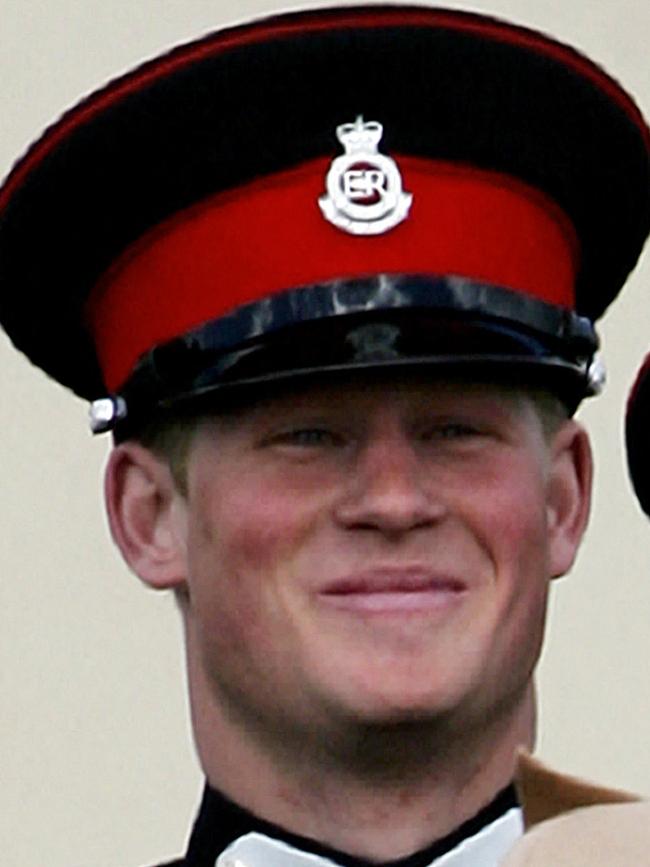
378,704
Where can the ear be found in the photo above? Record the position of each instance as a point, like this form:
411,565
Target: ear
568,494
146,513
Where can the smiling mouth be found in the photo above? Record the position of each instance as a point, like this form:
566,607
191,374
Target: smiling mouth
389,591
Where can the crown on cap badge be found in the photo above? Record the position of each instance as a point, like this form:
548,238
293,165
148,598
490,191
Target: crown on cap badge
364,187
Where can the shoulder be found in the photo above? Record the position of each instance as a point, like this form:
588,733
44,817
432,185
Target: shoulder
617,835
573,823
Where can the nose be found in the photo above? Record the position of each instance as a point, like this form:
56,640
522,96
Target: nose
389,489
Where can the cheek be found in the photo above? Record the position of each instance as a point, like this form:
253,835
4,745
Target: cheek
513,518
511,529
521,557
245,537
264,526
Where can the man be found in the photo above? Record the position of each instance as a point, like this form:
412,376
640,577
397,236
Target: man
340,377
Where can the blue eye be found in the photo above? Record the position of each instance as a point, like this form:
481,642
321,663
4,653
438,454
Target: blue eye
452,431
309,437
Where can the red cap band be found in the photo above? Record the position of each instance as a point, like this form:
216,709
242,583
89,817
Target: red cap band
270,235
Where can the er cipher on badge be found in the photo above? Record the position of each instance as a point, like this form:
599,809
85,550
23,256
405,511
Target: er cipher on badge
364,187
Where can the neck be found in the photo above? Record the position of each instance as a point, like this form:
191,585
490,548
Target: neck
406,785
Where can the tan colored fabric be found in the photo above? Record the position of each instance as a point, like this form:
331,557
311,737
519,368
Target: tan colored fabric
612,835
544,793
572,823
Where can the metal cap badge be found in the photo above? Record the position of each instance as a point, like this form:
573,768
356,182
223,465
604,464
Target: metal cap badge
364,187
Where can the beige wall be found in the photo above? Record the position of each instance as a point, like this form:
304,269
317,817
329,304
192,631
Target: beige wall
96,765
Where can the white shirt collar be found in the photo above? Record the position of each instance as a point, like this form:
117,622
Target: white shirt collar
484,849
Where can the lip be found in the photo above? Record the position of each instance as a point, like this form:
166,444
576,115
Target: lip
394,590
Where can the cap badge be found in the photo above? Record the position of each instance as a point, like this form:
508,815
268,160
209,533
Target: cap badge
364,187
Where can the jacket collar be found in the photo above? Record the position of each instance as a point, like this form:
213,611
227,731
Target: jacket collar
542,793
225,829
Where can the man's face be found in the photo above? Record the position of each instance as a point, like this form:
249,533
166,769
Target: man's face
375,551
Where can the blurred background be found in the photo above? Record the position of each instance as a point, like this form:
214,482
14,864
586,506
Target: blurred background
96,756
